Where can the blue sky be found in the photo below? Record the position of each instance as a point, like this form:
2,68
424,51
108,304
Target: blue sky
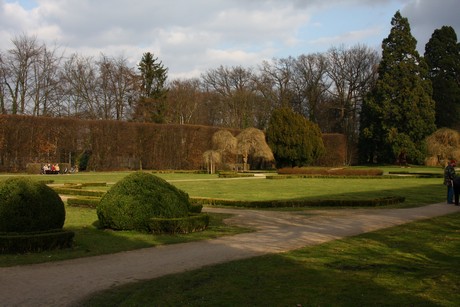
195,35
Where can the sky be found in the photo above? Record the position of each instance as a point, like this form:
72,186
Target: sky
192,36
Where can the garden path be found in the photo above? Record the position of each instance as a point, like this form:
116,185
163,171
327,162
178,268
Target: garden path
64,283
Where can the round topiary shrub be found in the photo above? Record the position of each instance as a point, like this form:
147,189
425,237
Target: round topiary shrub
134,200
29,206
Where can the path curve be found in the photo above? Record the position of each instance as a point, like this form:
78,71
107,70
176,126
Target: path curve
64,283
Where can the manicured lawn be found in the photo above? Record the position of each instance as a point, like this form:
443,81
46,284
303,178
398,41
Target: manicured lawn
416,264
90,241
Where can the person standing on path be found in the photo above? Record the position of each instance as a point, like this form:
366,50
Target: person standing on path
457,190
449,176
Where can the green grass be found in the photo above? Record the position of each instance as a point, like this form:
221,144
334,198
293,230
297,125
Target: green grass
416,264
90,241
417,191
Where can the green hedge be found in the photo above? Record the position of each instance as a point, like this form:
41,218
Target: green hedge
234,175
302,203
90,202
78,191
335,177
343,171
27,205
35,241
196,208
418,174
188,224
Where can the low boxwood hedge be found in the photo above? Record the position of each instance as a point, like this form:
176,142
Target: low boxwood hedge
343,171
35,241
90,202
296,203
192,223
78,191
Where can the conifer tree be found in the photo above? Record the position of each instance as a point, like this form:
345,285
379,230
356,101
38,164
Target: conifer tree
294,140
399,112
151,106
442,54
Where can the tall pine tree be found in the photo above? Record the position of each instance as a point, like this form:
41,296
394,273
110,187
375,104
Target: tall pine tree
399,113
151,106
442,54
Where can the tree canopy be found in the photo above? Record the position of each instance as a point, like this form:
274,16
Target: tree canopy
294,140
151,106
399,112
442,54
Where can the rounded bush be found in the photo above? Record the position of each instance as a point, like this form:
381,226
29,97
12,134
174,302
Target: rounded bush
29,206
134,200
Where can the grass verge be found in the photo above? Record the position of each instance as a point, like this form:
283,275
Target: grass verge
91,241
415,264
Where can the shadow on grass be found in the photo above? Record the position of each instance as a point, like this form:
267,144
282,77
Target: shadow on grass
409,265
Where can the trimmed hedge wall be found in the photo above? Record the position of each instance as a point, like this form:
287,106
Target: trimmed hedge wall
116,145
330,171
35,241
385,201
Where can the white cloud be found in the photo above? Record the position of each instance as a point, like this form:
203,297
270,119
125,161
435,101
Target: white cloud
195,35
347,37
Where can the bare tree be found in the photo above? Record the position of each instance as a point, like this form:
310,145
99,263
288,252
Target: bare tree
275,82
17,70
80,77
185,97
45,91
352,73
117,86
310,81
234,92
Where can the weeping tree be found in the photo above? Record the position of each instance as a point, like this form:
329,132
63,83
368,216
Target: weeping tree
251,144
211,159
225,143
443,145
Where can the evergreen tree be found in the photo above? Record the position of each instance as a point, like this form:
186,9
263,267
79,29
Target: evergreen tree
151,106
442,54
294,140
399,112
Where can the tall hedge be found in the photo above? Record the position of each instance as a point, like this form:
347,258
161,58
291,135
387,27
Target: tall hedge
108,145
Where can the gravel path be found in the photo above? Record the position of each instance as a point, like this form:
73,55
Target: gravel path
64,283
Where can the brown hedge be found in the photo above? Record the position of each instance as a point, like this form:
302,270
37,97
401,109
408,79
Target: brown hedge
330,171
114,145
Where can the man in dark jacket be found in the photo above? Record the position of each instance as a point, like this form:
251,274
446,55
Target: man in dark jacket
449,175
456,189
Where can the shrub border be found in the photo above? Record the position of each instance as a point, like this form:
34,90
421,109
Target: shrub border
384,201
35,241
191,223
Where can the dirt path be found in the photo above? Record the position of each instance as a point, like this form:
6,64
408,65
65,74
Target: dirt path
65,283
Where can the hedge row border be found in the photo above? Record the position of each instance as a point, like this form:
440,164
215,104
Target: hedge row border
376,202
189,224
35,241
277,177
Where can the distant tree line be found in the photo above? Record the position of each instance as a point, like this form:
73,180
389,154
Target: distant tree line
387,104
